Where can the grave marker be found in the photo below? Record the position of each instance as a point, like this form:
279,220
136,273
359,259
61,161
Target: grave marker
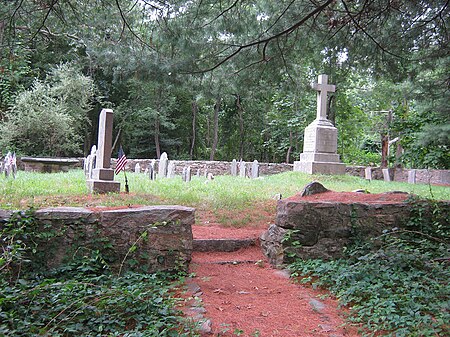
151,170
137,168
320,138
234,168
255,169
386,175
242,169
171,170
412,176
162,167
368,173
102,180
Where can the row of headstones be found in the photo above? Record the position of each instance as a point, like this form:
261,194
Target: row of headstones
166,169
9,165
387,175
89,162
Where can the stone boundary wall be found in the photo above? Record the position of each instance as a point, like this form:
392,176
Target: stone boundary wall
162,235
423,176
323,229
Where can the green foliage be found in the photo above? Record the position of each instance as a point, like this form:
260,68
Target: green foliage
396,284
80,298
50,118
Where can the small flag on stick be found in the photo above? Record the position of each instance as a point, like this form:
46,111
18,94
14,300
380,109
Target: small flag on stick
120,166
121,161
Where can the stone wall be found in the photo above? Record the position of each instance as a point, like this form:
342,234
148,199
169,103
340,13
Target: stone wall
441,177
322,230
162,235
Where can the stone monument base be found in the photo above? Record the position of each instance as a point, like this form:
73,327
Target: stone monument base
318,167
103,186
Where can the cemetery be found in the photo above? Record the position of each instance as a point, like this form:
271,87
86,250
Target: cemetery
192,168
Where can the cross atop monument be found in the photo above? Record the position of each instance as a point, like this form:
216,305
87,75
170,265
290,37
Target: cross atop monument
322,88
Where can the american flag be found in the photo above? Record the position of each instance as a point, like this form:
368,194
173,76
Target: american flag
121,161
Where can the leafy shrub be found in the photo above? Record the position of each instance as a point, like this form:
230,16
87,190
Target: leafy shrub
396,284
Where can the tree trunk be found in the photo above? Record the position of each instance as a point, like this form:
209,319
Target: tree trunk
157,146
332,110
288,154
194,118
241,125
216,128
384,150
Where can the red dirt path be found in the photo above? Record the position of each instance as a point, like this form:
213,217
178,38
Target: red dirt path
252,298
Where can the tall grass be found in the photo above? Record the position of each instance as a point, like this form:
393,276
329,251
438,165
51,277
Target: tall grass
226,192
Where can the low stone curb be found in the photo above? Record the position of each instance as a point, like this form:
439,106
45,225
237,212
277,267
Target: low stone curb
222,245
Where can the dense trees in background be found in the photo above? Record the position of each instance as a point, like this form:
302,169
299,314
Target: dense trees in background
208,79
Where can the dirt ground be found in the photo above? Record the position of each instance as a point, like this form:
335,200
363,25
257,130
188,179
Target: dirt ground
240,294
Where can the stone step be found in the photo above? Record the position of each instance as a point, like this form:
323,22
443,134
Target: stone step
222,245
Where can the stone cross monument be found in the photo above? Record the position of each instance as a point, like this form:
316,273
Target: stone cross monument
320,140
102,180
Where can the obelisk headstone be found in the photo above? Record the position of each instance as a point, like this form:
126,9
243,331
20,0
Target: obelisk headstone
102,180
320,140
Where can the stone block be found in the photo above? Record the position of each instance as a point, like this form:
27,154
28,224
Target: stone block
320,138
103,174
103,186
319,167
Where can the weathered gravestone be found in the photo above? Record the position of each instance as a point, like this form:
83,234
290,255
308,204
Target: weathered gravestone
320,139
368,173
90,162
234,168
386,174
186,175
102,180
255,169
171,170
10,165
242,169
137,168
412,176
162,167
151,170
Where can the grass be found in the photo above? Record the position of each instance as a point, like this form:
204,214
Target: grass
224,192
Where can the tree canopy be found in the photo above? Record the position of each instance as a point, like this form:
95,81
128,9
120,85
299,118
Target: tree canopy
226,79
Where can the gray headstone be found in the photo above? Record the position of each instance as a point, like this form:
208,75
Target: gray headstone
151,170
255,169
368,173
105,127
412,176
205,171
386,175
242,169
198,173
137,168
86,165
171,170
10,165
162,167
186,175
102,180
234,168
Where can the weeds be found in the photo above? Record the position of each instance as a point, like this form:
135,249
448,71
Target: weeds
82,297
396,284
